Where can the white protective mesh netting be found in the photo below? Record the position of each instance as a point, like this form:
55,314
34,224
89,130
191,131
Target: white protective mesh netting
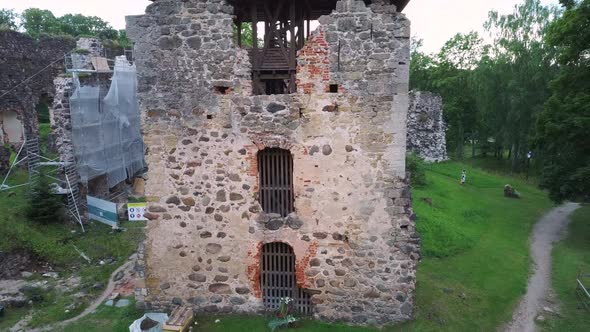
106,131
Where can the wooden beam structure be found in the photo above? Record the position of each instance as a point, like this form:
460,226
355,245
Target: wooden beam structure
317,7
274,56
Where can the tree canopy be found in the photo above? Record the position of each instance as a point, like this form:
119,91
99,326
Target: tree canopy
38,22
8,19
564,124
527,90
493,92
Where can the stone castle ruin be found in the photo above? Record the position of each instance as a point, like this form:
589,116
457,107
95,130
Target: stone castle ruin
93,114
426,126
27,70
277,169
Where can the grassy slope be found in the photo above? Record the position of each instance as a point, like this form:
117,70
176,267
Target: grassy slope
476,261
570,257
475,243
55,244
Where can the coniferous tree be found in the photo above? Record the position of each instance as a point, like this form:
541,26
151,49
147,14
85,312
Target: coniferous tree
44,207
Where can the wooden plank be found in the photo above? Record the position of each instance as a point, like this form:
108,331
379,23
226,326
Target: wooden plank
100,64
180,320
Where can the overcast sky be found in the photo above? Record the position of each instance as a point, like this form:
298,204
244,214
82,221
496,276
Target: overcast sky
435,21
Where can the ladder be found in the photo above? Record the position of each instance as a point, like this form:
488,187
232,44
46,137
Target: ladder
74,197
32,148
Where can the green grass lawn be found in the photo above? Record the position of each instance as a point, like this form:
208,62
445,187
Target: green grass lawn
105,318
44,132
238,323
570,257
55,244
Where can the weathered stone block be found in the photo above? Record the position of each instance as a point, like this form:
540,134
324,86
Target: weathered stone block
220,288
213,248
198,277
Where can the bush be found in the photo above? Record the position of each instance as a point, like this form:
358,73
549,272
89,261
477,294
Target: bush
44,206
417,168
82,51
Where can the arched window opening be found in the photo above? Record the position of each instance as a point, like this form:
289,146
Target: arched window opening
278,279
275,170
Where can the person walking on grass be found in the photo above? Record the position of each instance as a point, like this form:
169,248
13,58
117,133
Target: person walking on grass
463,177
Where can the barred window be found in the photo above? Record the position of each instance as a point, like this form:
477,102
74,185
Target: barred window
278,278
275,169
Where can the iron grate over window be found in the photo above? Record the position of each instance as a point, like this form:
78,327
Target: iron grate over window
278,278
275,169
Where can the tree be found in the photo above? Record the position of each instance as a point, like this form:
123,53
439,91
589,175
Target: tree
80,25
457,60
8,19
37,21
525,63
492,100
492,94
247,34
44,206
421,67
563,127
449,73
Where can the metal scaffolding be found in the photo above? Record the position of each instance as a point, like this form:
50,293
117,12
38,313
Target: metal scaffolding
29,151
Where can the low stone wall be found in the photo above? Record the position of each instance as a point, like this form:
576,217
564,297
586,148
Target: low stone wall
426,126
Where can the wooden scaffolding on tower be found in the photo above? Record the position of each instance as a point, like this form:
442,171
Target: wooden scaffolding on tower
286,26
273,51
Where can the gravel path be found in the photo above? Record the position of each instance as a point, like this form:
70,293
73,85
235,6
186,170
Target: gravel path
550,228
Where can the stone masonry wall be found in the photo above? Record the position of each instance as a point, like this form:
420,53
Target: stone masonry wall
59,116
352,230
426,126
22,57
61,124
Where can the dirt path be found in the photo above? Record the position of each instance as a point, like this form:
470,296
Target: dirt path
101,298
21,325
550,228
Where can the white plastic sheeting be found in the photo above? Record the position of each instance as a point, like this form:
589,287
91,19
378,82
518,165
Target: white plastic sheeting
106,131
161,318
